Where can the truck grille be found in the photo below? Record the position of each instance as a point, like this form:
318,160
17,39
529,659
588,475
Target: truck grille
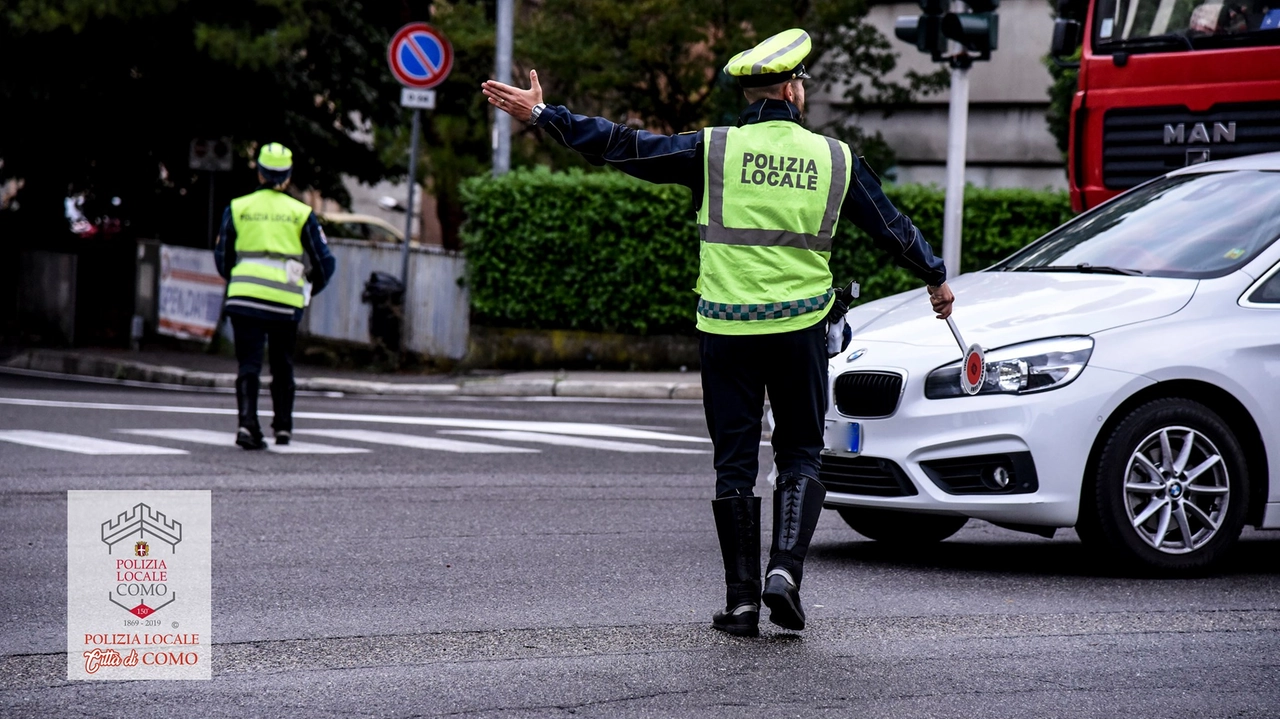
868,394
1145,142
864,475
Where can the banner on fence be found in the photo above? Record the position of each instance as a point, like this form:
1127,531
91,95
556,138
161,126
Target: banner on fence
191,293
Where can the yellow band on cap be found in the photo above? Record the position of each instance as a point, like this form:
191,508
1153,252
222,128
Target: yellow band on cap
275,156
780,53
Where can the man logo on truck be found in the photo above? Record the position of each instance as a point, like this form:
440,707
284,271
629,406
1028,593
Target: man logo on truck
1176,134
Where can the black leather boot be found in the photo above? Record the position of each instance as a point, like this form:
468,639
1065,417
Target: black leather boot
249,434
797,504
738,527
282,404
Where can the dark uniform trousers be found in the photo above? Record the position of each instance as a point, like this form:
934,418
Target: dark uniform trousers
736,372
281,336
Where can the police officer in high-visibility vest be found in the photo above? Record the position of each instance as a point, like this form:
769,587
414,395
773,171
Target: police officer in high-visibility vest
768,195
266,241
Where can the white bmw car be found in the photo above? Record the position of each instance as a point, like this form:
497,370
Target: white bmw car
1132,384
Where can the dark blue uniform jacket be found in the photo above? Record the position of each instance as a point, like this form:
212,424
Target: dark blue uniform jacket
323,265
677,159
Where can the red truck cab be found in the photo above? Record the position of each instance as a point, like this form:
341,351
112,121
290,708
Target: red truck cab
1168,83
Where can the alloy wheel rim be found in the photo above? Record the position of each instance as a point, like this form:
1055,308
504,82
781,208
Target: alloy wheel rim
1176,490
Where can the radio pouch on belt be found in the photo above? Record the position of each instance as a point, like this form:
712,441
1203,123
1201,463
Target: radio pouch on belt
839,334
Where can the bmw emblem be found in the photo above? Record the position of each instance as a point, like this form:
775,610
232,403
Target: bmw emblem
1175,490
855,354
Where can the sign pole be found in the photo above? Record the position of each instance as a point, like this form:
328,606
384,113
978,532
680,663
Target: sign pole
408,213
421,58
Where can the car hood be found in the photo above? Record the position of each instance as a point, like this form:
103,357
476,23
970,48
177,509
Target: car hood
995,309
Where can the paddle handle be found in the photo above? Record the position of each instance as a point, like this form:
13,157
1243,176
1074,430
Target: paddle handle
955,332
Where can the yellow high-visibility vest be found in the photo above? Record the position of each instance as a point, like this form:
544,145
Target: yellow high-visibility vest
770,205
268,248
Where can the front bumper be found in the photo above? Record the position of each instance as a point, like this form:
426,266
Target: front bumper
1057,428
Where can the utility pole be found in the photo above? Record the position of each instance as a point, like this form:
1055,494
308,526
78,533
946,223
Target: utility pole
974,32
502,73
957,138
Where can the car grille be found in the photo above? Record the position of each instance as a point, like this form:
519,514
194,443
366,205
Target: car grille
868,394
864,475
1133,139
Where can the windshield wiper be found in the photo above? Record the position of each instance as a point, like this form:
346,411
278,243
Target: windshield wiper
1148,41
1084,267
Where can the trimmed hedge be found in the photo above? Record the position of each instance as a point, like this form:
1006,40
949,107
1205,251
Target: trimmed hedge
605,252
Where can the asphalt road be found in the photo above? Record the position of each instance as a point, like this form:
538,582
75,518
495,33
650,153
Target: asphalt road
405,581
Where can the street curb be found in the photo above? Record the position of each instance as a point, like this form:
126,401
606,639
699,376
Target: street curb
87,365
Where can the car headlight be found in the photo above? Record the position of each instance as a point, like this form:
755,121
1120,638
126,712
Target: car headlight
1019,369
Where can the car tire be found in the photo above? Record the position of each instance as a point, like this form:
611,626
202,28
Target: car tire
901,528
1150,491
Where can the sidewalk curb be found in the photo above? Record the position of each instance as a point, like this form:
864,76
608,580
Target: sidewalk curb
87,365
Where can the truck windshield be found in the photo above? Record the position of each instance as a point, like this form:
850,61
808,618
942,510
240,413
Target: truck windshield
1196,225
1171,25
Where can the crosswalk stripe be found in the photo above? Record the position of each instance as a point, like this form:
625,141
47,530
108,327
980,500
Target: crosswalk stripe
80,444
412,440
228,439
583,429
567,441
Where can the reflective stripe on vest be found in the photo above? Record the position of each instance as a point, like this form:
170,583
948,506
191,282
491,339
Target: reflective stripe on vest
268,248
769,212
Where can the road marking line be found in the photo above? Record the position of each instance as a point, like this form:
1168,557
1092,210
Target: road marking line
413,440
80,444
582,429
228,440
567,441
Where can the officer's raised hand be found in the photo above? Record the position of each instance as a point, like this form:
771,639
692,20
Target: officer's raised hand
512,100
941,298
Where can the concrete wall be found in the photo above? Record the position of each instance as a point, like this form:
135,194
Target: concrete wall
1009,144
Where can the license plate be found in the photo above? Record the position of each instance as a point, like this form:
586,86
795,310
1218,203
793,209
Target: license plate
844,437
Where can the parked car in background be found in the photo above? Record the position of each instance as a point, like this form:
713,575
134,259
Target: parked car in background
359,227
1132,384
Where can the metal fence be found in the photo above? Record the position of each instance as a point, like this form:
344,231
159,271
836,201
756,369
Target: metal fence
437,305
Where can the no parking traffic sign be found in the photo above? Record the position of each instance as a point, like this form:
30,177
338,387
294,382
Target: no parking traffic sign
420,56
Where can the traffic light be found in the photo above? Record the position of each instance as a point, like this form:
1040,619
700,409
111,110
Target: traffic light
976,31
925,31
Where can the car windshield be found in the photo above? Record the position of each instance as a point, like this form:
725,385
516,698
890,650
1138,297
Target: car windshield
1168,25
1195,225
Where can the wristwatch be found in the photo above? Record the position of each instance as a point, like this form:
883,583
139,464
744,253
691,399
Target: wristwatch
536,113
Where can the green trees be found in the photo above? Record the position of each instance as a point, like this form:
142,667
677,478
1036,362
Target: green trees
656,63
105,98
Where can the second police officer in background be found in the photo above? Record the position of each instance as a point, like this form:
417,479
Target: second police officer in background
266,236
768,195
